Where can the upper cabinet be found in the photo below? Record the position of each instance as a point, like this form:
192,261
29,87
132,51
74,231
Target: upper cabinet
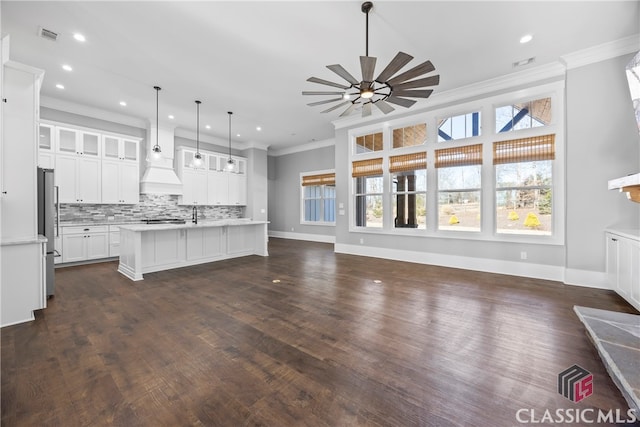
210,183
91,166
75,141
117,148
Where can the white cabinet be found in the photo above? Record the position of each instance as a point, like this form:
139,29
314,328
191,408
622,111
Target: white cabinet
84,243
205,243
46,152
623,265
212,184
194,187
76,141
120,182
117,148
57,259
114,240
78,179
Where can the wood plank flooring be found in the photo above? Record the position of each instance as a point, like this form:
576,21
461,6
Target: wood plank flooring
304,337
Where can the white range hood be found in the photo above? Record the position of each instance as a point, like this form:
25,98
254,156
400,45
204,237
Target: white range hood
159,176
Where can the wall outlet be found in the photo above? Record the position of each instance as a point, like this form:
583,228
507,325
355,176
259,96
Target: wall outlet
362,241
341,212
291,228
523,255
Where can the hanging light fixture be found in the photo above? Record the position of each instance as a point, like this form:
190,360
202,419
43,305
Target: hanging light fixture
231,164
385,89
197,158
156,151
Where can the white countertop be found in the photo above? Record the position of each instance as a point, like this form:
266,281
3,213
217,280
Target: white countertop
24,240
201,224
625,181
629,233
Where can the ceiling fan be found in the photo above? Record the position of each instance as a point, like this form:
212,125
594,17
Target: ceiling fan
387,88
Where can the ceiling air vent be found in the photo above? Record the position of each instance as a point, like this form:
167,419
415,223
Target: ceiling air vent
524,62
47,34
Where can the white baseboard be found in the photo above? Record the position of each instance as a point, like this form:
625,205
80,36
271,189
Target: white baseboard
592,279
322,238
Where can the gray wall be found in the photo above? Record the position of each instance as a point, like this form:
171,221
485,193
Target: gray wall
602,144
284,189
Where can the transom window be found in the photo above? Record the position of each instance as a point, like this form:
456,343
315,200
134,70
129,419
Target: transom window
369,143
410,136
459,127
523,115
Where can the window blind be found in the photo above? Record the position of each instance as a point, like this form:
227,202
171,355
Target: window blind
524,149
408,162
320,179
367,167
459,156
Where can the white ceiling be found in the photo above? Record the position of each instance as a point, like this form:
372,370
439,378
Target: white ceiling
253,58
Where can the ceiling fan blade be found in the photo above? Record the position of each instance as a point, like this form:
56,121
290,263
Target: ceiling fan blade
327,82
399,61
324,102
321,93
339,70
348,110
366,109
401,101
335,107
427,81
368,66
383,106
425,93
424,68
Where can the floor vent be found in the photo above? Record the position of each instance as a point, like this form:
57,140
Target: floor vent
47,34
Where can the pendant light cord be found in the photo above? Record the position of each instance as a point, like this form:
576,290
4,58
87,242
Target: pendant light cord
197,127
157,88
367,35
230,113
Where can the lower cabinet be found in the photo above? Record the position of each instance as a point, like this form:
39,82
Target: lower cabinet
84,243
623,266
114,240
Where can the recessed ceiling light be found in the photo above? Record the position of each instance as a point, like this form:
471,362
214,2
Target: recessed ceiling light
171,116
526,38
59,86
79,37
208,127
124,104
67,67
258,128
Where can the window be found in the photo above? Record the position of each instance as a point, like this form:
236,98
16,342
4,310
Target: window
524,185
369,143
319,198
459,127
409,179
410,136
459,185
524,115
368,192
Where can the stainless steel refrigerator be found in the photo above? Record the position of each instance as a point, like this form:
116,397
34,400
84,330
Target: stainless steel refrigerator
48,220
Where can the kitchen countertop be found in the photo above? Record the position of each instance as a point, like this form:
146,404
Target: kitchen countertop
24,241
629,233
200,224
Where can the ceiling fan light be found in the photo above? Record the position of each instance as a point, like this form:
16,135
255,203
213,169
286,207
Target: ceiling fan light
367,93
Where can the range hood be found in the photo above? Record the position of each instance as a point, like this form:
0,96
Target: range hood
159,176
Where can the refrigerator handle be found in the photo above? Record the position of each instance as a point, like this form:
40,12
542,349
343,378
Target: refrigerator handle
57,210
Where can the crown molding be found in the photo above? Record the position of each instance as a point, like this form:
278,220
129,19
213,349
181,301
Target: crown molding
305,147
602,52
95,113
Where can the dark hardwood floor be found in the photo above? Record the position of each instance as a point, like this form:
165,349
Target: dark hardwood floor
303,337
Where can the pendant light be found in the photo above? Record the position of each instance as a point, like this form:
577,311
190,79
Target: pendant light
230,162
156,151
197,158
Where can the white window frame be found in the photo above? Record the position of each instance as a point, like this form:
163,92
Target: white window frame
302,199
486,106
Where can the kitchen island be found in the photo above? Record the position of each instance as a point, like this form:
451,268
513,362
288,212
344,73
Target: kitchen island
145,248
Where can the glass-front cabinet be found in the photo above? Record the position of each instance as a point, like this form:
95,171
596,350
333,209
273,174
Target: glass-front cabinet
46,157
75,141
116,148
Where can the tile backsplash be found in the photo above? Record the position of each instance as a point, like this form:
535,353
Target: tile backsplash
150,206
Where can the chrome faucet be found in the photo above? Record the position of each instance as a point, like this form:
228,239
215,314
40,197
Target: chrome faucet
194,214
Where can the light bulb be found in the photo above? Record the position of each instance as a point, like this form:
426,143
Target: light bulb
366,93
230,164
156,152
197,160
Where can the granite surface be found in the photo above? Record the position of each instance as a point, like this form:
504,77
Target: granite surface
200,224
617,338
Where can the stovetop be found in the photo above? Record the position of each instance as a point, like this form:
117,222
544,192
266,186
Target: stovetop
164,221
